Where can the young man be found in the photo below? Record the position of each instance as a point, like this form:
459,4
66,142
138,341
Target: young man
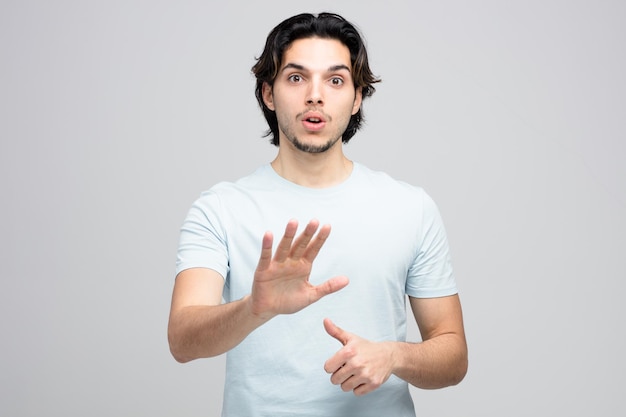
314,323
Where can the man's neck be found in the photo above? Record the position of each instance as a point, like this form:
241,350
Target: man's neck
319,170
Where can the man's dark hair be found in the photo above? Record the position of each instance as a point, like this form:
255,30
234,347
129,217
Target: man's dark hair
306,25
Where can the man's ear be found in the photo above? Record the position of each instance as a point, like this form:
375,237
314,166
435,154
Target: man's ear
358,99
268,96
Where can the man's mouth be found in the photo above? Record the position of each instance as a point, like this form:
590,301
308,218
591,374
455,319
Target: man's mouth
313,121
313,117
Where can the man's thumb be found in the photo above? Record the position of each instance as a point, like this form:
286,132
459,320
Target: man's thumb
335,331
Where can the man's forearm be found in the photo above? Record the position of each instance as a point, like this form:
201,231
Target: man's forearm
205,331
436,363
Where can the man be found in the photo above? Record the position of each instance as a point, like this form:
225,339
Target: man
312,317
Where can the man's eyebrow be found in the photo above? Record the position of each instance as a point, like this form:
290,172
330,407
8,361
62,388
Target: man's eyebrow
292,65
334,68
340,67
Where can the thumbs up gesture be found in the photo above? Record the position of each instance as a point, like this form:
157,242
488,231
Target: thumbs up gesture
360,365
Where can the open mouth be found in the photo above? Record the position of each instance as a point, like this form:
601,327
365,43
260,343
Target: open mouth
313,121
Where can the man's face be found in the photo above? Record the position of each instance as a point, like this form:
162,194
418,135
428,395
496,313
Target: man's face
313,94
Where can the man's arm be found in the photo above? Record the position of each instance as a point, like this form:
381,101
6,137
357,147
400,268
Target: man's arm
200,326
440,360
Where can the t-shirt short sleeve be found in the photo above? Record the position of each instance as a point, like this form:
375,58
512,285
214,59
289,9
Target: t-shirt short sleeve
203,242
431,274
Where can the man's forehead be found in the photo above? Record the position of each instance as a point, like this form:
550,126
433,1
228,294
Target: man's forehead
318,53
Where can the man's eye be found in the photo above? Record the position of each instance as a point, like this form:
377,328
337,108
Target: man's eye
295,78
336,81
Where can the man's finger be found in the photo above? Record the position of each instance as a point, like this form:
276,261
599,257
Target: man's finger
266,251
314,248
332,285
335,365
336,332
302,242
284,247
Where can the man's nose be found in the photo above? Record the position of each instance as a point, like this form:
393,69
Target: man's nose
314,95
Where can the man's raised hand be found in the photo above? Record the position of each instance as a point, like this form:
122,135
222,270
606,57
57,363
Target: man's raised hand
281,282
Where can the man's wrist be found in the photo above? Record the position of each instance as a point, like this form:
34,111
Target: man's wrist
398,356
258,315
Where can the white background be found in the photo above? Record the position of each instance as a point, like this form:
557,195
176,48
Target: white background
115,115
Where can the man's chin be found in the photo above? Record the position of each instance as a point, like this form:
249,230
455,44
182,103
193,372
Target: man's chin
314,147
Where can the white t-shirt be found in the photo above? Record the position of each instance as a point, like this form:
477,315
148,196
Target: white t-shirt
387,237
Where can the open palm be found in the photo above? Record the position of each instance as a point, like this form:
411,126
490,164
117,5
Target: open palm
281,283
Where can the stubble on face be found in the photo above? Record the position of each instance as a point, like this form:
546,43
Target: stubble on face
308,147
